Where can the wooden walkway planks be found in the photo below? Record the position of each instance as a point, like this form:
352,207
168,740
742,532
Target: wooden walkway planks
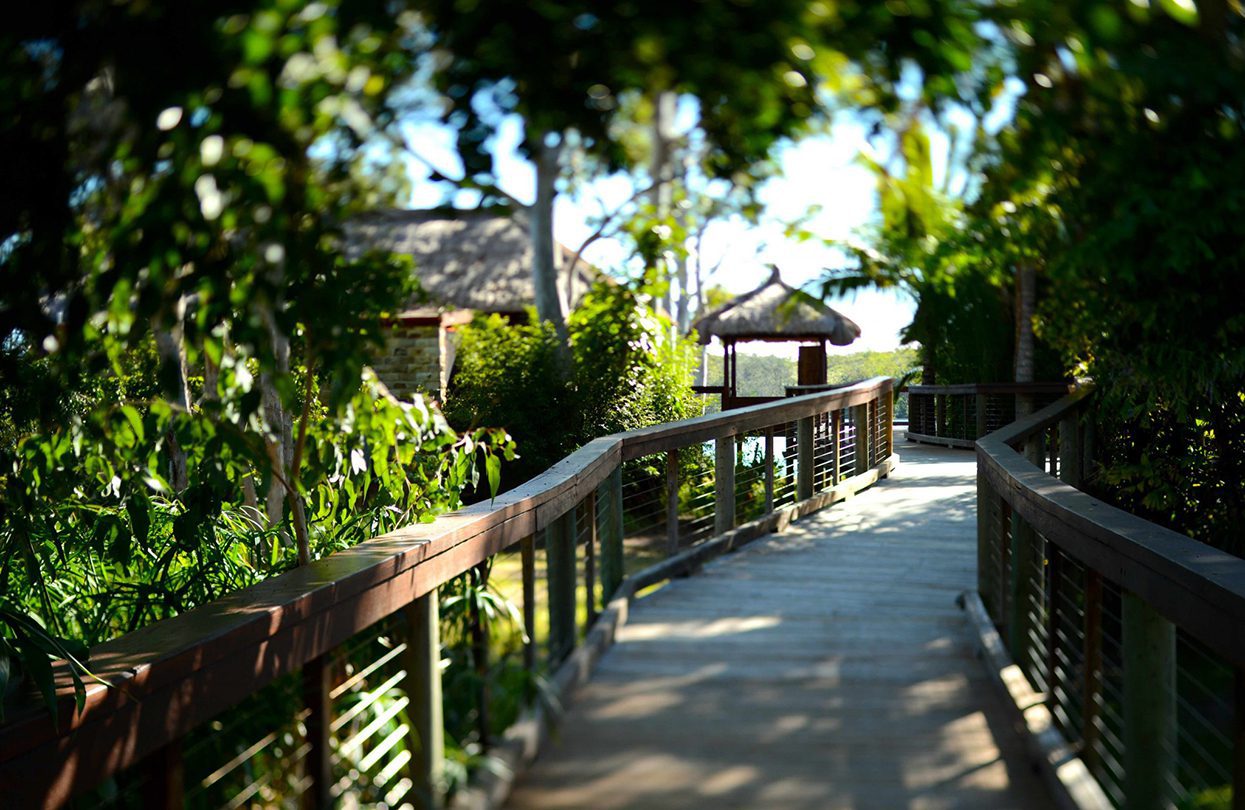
827,667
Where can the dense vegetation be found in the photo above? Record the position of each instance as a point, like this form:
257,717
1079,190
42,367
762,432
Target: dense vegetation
1095,231
184,402
184,406
626,373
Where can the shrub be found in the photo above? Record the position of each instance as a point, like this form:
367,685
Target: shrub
625,373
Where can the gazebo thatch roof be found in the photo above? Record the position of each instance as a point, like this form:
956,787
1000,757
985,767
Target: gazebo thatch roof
776,311
464,259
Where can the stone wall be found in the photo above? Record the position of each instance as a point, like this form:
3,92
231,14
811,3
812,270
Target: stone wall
413,361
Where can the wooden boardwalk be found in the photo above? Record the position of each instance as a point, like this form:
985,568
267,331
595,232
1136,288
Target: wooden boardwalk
827,667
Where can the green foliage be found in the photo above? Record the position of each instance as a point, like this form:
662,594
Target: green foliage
626,375
1124,168
176,213
99,544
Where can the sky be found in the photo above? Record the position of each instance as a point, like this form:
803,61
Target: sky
818,170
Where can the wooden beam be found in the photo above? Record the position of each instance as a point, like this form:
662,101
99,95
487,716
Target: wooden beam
805,462
672,502
1149,643
1091,690
860,425
612,539
836,447
318,764
724,485
1023,589
1070,450
426,740
1238,739
560,577
769,470
984,538
527,556
164,778
590,557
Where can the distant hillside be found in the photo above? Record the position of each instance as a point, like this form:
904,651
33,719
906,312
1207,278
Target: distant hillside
762,375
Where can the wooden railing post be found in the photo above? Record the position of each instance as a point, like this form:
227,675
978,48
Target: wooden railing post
983,407
888,422
724,484
1092,686
560,577
1054,585
527,557
1238,739
612,540
804,460
836,449
940,415
1022,590
860,416
672,502
422,662
164,777
984,523
590,557
1070,464
769,470
318,764
1149,642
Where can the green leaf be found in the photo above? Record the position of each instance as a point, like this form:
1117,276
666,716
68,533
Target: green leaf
138,505
136,421
38,664
492,463
1182,11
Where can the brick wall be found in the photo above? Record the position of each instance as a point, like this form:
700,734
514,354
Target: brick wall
413,361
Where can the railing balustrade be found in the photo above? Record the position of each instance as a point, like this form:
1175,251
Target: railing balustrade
327,680
1131,634
958,415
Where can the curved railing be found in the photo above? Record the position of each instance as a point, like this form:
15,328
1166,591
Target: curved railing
958,415
730,476
1130,635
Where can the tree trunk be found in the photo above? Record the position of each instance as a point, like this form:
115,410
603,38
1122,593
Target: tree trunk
170,345
279,439
544,267
661,195
1026,304
682,308
929,370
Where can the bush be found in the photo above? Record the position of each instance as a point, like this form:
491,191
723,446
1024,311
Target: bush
625,373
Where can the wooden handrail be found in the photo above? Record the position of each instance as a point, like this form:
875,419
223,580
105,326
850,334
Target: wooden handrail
171,676
958,415
674,435
993,388
1196,586
1033,524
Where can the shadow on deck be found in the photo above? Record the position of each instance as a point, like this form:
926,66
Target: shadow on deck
827,667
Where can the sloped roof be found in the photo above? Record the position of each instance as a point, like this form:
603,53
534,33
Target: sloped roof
465,259
777,311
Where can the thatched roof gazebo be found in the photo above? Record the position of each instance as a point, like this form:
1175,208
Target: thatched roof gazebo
474,260
775,311
466,262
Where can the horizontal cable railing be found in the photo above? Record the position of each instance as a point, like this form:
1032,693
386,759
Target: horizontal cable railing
958,415
1131,634
328,681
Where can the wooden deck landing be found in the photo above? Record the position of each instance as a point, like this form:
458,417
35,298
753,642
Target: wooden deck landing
827,667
